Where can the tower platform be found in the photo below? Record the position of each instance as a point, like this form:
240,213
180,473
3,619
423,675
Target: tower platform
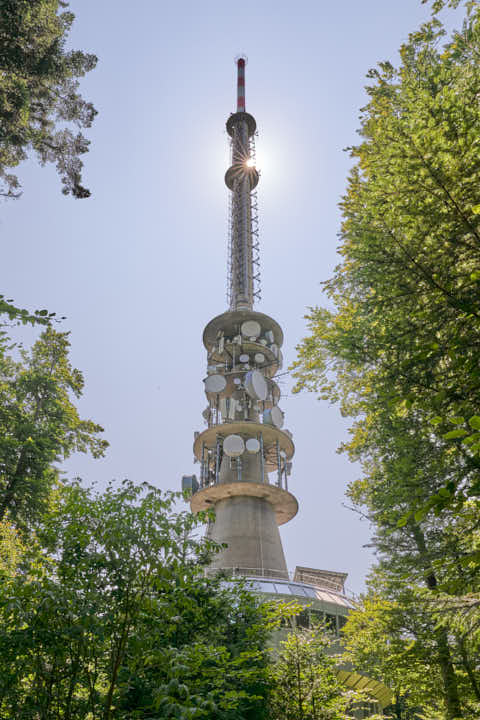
270,434
284,504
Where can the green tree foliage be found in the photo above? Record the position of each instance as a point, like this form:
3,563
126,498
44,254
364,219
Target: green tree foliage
405,333
400,349
39,424
438,5
393,637
39,98
111,616
304,680
13,315
11,548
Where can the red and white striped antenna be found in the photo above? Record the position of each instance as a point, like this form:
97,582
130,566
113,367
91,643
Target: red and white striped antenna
241,61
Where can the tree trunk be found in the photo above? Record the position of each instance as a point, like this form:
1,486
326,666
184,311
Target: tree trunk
299,684
449,679
468,668
116,665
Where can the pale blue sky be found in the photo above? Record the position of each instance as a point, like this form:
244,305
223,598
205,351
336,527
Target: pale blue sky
140,267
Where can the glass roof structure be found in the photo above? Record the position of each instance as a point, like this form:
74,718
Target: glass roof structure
298,590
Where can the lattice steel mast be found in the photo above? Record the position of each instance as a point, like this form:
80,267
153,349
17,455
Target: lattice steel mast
242,178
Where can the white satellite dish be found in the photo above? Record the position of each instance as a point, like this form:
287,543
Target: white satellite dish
273,416
252,445
233,445
259,358
256,385
237,381
244,358
251,328
215,383
277,416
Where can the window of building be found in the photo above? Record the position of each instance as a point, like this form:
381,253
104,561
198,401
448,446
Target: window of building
367,709
331,623
297,590
302,620
286,622
316,617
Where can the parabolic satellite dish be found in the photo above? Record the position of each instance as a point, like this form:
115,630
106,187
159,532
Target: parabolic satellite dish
259,358
233,445
251,328
273,416
215,383
256,385
252,445
244,358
